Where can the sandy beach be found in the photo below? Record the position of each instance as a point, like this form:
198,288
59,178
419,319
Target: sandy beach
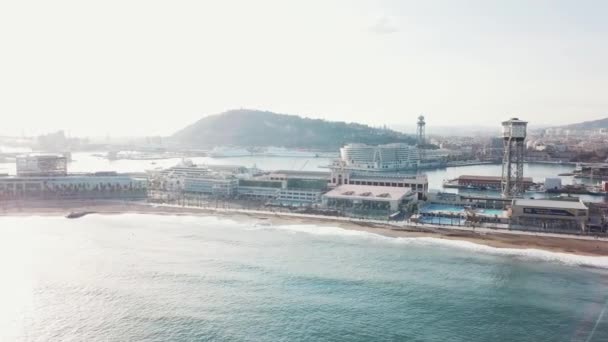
497,239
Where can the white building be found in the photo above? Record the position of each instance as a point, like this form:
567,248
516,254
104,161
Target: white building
342,176
76,186
285,188
190,178
553,183
44,165
550,215
389,157
361,198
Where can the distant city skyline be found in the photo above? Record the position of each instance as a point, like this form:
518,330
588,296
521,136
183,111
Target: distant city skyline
142,68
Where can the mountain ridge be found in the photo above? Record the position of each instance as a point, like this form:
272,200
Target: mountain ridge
584,125
250,127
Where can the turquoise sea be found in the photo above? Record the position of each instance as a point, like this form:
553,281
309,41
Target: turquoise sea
184,278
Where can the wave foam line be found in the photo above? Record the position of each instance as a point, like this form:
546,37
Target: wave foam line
531,253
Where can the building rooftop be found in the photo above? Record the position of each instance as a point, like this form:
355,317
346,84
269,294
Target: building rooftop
225,167
387,176
70,177
539,203
489,178
374,146
40,155
368,192
515,121
301,173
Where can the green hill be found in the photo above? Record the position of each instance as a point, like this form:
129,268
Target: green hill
244,127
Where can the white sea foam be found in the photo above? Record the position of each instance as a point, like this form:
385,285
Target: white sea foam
215,221
324,230
538,254
528,253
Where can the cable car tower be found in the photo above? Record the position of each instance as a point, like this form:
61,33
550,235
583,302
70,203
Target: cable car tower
420,131
421,139
513,134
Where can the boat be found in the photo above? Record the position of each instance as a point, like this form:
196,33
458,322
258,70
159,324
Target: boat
77,214
137,155
273,151
327,154
596,190
229,152
591,171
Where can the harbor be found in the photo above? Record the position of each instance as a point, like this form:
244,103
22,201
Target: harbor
273,191
396,182
307,171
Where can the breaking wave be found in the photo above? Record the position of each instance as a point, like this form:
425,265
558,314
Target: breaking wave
527,253
322,230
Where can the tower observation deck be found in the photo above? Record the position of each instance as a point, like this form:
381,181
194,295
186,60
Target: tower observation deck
513,134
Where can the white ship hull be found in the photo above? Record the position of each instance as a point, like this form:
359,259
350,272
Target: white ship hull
268,152
229,153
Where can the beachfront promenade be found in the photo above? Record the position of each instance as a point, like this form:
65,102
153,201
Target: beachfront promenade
123,207
396,225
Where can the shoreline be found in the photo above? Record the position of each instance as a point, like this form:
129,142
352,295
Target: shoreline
487,237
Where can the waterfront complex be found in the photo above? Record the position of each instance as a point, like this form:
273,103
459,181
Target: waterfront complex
370,199
44,165
295,188
389,157
379,182
46,177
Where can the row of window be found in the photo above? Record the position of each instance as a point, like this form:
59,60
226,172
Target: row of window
211,183
306,198
395,185
311,194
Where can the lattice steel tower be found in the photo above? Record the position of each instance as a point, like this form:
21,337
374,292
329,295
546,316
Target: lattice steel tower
420,130
513,134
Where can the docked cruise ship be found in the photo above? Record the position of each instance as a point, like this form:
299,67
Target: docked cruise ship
229,152
389,157
272,151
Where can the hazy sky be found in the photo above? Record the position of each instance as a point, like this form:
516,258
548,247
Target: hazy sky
151,67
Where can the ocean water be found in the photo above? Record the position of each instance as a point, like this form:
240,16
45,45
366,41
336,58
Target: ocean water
88,162
184,278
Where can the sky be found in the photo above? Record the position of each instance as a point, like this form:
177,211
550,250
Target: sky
143,68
